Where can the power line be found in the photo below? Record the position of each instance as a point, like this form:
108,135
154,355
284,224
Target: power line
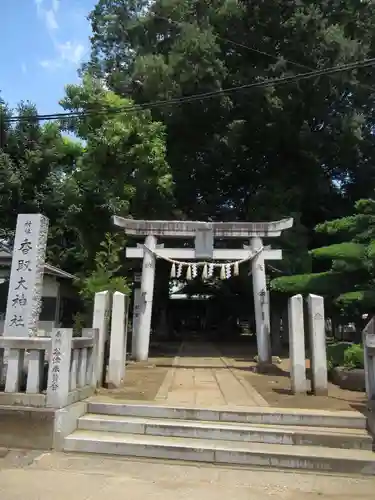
200,96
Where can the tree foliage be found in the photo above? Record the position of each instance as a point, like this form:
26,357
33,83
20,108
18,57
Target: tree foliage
350,281
252,154
304,149
114,165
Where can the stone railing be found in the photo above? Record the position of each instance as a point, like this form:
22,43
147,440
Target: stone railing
368,338
48,372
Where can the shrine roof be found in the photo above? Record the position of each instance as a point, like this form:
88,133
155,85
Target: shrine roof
6,257
185,229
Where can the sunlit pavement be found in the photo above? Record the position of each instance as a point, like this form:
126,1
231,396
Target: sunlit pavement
46,476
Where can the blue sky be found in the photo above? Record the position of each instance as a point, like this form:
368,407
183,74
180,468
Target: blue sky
43,43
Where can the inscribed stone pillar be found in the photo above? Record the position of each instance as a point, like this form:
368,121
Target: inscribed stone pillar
136,311
147,292
297,345
101,322
261,303
117,350
317,335
59,368
26,277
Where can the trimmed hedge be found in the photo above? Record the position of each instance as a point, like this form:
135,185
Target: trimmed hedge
364,298
342,251
328,283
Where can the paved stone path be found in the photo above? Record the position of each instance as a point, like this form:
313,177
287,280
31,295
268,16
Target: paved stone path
200,376
82,477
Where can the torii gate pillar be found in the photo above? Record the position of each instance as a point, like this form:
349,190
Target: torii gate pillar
261,303
143,326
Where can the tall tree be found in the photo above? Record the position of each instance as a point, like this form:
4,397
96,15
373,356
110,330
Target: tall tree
36,163
122,169
252,154
115,165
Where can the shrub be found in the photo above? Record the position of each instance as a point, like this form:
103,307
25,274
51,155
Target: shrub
336,354
354,357
347,251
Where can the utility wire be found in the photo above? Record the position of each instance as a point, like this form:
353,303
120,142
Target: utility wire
200,96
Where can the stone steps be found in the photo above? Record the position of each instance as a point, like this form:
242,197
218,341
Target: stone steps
250,415
223,452
282,438
229,431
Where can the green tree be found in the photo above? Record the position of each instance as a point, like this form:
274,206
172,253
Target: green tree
258,154
107,272
350,280
36,166
115,165
122,170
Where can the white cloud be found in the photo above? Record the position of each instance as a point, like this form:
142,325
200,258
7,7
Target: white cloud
51,21
48,14
38,4
69,52
51,64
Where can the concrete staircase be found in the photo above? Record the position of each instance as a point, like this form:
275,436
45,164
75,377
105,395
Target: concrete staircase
267,437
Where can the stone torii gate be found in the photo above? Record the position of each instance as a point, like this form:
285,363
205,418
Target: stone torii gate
204,234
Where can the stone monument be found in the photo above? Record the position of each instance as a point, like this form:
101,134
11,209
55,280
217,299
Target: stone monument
26,277
25,290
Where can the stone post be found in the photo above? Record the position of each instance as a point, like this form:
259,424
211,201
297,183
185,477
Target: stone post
261,303
317,335
117,350
25,287
15,362
100,321
297,345
59,368
26,276
368,338
127,308
35,371
147,292
136,309
92,355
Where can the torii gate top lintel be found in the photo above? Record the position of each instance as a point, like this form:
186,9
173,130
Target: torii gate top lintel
185,229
